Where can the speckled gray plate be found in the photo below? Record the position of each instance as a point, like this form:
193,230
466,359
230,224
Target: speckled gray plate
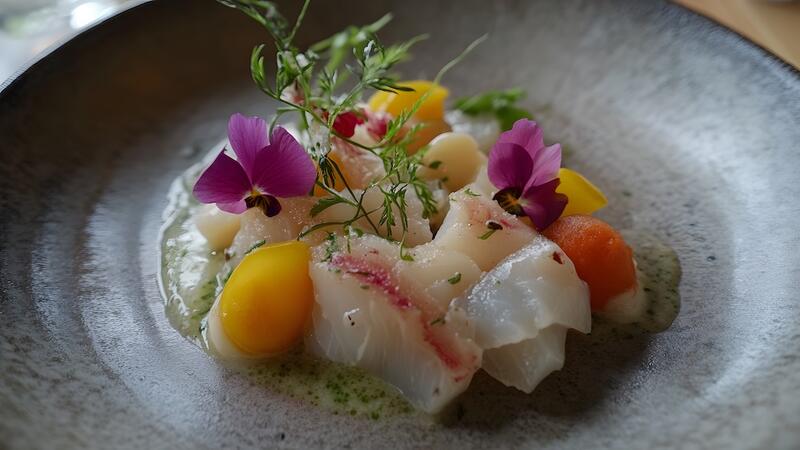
693,132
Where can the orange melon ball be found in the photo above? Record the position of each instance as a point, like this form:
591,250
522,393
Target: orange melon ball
601,257
431,109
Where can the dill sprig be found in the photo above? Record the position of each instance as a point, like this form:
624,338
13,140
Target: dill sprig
307,83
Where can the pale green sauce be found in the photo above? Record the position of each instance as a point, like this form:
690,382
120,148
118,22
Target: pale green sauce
340,388
192,276
660,276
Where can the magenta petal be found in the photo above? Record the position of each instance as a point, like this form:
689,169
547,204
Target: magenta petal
224,182
233,208
248,135
284,169
546,163
543,204
509,166
526,133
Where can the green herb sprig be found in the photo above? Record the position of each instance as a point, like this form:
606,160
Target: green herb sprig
501,104
307,82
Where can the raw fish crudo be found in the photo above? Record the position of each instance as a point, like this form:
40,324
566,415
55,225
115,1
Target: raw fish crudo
373,237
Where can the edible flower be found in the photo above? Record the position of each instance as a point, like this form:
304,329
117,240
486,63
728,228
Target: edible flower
264,169
526,172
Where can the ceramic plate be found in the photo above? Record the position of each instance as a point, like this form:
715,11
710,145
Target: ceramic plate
692,132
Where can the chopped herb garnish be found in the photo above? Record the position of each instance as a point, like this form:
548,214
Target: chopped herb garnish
469,192
492,227
455,278
435,164
486,235
438,321
331,247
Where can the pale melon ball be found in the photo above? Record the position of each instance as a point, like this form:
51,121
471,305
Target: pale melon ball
454,159
217,226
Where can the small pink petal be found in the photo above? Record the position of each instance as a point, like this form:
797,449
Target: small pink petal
378,124
284,169
543,204
248,135
546,163
345,123
526,133
224,181
509,166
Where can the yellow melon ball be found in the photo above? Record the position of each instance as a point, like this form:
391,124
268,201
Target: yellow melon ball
431,109
267,301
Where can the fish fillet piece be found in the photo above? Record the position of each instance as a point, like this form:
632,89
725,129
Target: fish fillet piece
256,228
418,231
442,273
522,309
466,228
368,314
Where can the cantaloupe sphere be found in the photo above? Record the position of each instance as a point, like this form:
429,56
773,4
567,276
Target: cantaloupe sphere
601,257
267,301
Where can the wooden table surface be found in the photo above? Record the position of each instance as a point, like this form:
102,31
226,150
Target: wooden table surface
774,25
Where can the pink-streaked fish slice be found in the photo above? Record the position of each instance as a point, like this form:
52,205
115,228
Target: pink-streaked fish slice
367,316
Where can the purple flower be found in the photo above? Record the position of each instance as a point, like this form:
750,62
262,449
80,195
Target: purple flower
263,169
526,172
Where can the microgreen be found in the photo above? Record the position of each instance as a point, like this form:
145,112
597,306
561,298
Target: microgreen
404,255
255,246
307,83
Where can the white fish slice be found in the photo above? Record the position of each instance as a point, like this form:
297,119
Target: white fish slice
533,290
466,228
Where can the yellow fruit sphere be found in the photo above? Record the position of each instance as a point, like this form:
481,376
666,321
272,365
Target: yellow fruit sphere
584,197
267,301
431,109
